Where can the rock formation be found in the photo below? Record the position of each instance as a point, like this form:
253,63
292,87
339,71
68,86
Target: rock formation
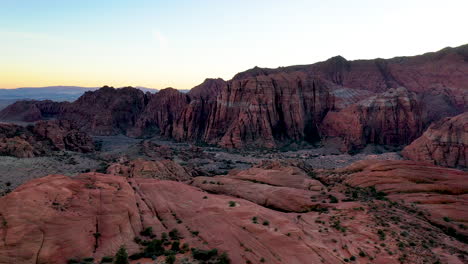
266,110
160,113
161,169
394,117
31,111
444,143
63,135
280,215
107,111
271,108
42,138
195,118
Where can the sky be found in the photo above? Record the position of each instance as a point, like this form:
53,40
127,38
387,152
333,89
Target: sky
178,44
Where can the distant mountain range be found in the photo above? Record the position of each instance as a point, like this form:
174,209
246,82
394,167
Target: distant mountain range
54,93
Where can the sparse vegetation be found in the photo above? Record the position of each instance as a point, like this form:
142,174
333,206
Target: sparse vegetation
121,257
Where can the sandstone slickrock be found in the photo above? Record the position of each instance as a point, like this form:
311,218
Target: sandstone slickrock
379,212
440,193
394,117
444,143
160,169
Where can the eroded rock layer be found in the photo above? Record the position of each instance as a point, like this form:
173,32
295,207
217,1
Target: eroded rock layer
444,143
394,117
43,138
378,212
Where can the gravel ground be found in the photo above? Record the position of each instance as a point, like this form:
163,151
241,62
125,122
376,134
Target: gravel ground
208,160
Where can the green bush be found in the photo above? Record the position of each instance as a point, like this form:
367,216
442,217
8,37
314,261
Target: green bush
147,232
175,246
121,257
170,259
174,234
200,254
107,259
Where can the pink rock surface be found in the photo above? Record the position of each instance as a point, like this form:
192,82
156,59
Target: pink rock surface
444,143
161,169
55,218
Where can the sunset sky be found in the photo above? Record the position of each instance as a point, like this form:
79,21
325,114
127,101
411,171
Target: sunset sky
159,44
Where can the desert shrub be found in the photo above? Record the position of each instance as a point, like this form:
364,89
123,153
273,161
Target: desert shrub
170,259
73,261
136,256
148,232
174,234
333,199
232,203
200,254
154,248
107,259
175,246
121,257
381,234
223,259
266,223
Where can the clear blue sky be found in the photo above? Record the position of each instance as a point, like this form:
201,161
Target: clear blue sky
180,43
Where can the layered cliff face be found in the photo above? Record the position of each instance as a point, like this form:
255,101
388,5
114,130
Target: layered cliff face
43,138
267,110
273,107
394,117
195,118
160,113
31,111
442,70
280,215
444,143
107,111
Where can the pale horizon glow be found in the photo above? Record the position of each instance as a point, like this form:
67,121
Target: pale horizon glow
159,44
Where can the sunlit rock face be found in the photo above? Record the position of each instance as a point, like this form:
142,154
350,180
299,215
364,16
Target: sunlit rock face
378,211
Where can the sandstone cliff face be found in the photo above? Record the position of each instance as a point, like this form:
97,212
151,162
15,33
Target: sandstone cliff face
160,113
107,111
442,70
42,138
394,118
267,110
444,143
30,111
195,118
273,107
280,215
